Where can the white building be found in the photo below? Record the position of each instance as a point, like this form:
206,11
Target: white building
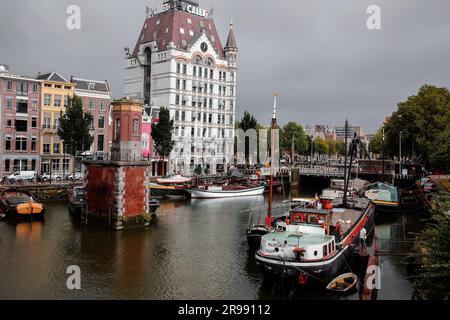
179,62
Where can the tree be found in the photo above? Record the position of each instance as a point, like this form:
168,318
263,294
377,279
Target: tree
340,148
332,147
321,147
248,122
162,133
73,128
376,143
432,279
422,119
293,132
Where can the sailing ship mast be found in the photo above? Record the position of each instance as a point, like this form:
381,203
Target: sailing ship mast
272,153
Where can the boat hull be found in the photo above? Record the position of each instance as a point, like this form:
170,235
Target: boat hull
327,269
211,194
167,191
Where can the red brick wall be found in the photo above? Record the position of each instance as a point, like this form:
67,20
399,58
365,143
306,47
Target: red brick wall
100,188
134,191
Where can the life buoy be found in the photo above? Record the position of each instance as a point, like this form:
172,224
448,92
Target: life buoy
300,217
302,279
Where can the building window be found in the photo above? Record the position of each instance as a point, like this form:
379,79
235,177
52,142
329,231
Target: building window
184,84
91,105
66,163
58,99
102,105
22,106
183,116
135,127
46,124
55,165
178,67
184,69
33,144
55,122
177,115
91,86
8,144
21,144
181,30
177,99
7,165
35,88
9,85
34,105
101,122
34,122
47,100
21,125
46,148
9,123
33,164
100,142
9,103
56,148
22,89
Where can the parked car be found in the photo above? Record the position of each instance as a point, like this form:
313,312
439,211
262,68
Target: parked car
54,177
78,176
22,176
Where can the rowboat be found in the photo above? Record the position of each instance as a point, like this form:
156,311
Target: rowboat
167,190
174,180
19,203
225,192
343,283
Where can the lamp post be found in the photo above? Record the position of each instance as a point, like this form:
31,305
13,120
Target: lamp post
400,153
312,144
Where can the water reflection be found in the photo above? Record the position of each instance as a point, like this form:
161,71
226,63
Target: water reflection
197,250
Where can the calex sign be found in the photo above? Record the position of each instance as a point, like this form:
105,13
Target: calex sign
194,10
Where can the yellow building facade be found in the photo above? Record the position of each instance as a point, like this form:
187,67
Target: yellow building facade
54,98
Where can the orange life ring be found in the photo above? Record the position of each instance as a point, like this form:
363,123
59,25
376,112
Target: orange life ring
300,217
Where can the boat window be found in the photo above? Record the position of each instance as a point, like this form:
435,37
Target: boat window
333,246
315,253
329,247
325,251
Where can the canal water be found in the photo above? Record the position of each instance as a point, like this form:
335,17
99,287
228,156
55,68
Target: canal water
197,250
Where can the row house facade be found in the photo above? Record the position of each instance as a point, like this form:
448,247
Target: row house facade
55,94
20,99
96,97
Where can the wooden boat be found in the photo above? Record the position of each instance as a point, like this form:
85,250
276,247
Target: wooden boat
19,203
343,283
383,195
174,180
167,190
210,192
75,199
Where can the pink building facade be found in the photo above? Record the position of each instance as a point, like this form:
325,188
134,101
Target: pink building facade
96,97
19,123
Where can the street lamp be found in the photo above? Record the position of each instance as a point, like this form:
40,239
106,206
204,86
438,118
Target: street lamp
400,153
312,144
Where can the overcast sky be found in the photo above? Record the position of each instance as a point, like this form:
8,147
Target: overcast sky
317,54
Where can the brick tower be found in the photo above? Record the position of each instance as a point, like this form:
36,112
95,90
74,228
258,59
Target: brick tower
116,189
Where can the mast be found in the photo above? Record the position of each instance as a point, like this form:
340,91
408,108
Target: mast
345,152
272,152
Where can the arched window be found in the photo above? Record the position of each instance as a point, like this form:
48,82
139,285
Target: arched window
198,60
135,127
209,62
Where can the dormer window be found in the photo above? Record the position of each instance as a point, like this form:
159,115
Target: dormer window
91,86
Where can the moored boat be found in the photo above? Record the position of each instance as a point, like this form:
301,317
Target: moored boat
75,199
225,192
316,242
343,283
19,204
383,195
167,190
177,179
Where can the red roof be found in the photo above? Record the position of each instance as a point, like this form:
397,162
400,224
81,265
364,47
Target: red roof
172,21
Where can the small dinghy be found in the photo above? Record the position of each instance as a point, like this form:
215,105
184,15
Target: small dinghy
19,203
343,283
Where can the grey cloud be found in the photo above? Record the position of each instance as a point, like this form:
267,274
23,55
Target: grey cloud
318,55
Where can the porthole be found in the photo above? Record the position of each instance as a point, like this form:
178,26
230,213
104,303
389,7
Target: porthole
315,253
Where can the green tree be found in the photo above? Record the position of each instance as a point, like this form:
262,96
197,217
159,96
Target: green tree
422,119
162,133
340,148
432,279
321,147
73,129
332,147
376,143
248,122
293,132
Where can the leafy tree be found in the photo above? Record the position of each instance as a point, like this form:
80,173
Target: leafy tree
340,148
440,156
293,131
162,133
248,122
74,130
432,279
321,147
376,143
422,119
